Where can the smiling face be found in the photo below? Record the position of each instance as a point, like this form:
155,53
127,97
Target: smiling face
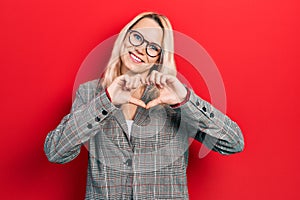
135,59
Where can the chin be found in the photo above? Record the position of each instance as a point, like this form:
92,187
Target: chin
135,67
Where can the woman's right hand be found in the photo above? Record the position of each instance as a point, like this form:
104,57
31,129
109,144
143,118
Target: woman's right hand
121,89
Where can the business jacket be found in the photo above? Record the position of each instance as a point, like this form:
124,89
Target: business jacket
152,162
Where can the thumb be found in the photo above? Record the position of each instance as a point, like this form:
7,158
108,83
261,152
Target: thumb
137,102
153,103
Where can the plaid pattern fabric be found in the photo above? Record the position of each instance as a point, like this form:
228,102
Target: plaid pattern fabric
152,163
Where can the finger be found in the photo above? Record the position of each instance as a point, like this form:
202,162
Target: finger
136,82
170,79
163,80
120,80
152,77
153,103
147,80
157,80
127,82
137,102
143,80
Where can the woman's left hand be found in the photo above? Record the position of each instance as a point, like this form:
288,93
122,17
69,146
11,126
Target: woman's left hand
171,90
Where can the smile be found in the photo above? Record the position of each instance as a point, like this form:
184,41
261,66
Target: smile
135,58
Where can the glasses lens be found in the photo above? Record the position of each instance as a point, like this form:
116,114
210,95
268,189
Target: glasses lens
153,49
136,38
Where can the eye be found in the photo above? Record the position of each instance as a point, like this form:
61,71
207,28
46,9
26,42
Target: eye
154,47
137,37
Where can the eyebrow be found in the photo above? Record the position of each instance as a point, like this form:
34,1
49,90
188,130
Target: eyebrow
146,38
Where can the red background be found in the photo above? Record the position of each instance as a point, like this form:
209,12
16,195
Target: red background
255,45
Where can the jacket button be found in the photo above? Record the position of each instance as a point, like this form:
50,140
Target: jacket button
104,112
128,162
90,126
97,119
204,109
212,115
197,103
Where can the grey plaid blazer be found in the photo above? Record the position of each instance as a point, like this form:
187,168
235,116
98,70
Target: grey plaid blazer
152,162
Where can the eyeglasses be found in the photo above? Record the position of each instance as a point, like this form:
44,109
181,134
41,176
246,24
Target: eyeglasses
137,39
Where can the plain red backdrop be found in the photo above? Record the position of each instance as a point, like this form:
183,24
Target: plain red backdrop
255,45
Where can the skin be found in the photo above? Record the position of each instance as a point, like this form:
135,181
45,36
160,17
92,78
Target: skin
127,89
151,32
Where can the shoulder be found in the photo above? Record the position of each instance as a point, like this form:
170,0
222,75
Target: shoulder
89,89
90,85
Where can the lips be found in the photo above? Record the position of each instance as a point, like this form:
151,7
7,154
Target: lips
135,58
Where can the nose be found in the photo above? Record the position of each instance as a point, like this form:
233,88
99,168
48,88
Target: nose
141,49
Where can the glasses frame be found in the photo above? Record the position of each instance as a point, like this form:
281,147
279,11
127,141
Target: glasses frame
144,41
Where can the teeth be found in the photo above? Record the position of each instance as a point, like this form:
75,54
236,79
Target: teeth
135,58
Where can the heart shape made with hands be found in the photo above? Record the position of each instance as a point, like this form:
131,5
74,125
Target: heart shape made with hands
171,90
167,95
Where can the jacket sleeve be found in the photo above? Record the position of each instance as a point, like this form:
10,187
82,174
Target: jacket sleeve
64,142
208,125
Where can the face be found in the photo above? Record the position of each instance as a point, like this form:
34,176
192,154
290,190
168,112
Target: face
138,59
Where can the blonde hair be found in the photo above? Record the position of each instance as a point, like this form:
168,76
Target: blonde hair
167,63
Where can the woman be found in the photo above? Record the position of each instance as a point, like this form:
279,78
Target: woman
136,121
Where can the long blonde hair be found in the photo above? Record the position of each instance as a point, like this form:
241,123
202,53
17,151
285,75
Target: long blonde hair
167,63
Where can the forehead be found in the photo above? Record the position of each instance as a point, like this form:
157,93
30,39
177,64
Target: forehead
149,29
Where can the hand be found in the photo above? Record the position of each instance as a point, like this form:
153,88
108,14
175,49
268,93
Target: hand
171,90
122,87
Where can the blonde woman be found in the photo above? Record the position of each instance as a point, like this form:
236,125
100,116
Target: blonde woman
137,119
